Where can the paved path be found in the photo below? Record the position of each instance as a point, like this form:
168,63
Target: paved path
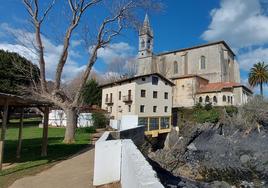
76,172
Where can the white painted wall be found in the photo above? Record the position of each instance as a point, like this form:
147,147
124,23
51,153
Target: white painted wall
119,108
107,163
120,160
136,172
57,118
128,122
115,124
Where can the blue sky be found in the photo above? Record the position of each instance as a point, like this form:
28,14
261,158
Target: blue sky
243,24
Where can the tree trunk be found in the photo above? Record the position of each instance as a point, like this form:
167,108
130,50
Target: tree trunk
71,116
261,89
20,134
3,133
45,132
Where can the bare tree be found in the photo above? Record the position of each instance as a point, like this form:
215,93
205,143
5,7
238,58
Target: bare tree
122,15
121,69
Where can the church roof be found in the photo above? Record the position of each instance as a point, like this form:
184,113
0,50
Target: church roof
219,86
199,46
146,20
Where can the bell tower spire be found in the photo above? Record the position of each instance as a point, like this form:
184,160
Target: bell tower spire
145,39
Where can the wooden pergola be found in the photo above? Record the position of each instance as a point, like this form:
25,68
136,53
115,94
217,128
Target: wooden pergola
10,100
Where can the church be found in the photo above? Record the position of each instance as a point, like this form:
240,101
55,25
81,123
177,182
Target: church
167,82
207,73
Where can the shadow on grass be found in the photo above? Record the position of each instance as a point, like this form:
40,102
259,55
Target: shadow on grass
31,153
32,143
50,159
31,149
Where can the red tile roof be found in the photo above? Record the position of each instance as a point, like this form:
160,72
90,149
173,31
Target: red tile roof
219,86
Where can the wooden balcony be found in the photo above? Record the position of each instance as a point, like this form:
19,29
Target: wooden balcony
127,99
109,101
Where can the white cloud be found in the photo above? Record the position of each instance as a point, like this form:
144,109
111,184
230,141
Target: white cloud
246,60
244,25
116,52
240,22
24,45
75,43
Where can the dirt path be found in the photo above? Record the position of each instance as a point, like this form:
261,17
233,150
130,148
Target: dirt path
76,172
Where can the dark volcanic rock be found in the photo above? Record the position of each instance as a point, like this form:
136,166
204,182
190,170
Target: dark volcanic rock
203,152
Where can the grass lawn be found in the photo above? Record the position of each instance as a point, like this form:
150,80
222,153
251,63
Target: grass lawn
31,162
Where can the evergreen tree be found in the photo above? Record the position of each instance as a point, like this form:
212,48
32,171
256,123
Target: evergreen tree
16,71
258,75
92,93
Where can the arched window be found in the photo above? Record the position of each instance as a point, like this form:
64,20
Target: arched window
215,99
142,44
224,98
148,43
200,99
176,68
202,62
207,99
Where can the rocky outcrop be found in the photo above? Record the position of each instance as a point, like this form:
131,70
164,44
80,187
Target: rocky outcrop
208,152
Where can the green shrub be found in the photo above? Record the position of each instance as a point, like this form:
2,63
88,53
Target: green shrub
198,106
231,110
208,106
202,116
99,120
91,129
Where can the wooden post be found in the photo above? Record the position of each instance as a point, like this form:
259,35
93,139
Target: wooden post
3,132
20,134
45,132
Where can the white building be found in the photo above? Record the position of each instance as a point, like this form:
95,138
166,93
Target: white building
147,96
58,118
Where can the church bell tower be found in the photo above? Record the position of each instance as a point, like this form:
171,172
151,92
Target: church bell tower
145,39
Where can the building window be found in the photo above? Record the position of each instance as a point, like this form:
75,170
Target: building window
111,109
207,99
154,108
224,98
141,108
142,44
166,108
166,95
176,68
164,122
143,78
143,93
154,124
155,80
129,108
200,99
215,99
119,95
111,97
155,94
106,98
229,99
203,62
143,121
148,43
